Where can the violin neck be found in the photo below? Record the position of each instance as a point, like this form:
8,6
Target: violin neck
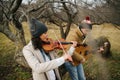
71,43
64,43
58,42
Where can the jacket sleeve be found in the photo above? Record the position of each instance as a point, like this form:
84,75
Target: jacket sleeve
75,35
38,66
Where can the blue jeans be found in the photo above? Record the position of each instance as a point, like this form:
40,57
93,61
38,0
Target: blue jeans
75,72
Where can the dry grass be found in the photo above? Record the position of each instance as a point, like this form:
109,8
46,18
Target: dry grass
113,34
110,32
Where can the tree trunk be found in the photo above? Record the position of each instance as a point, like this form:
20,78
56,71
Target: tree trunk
17,38
20,43
19,58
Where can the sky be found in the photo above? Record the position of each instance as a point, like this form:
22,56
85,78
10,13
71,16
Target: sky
93,2
26,1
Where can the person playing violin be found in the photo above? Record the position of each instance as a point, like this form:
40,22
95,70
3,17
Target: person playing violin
43,64
79,34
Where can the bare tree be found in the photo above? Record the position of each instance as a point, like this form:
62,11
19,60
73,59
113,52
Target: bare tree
63,13
63,16
8,16
102,11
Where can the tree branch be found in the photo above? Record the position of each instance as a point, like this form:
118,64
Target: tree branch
39,7
15,6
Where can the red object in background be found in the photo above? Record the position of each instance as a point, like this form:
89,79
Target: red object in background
87,18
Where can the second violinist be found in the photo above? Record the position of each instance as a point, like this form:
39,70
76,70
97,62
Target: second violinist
79,35
44,65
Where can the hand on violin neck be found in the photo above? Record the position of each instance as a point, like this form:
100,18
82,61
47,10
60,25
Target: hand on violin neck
67,57
84,44
74,43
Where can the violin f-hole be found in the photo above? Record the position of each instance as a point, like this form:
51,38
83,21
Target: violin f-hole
86,53
80,52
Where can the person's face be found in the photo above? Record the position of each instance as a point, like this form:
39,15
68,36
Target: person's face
44,37
85,31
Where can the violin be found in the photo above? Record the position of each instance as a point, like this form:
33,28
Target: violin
50,44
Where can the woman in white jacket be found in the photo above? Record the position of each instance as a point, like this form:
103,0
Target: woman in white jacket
44,65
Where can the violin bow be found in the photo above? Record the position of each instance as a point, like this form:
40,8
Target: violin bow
84,40
88,36
59,42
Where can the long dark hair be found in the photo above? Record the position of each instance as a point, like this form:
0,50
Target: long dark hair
37,43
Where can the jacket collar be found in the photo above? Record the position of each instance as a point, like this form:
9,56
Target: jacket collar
36,52
80,33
